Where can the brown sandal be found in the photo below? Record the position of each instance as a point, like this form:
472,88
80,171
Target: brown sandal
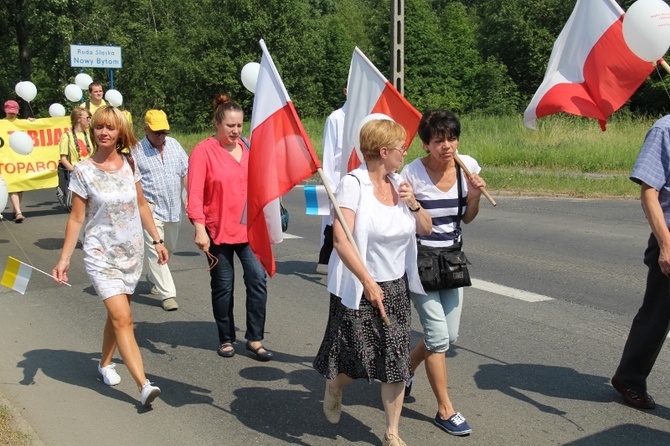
18,218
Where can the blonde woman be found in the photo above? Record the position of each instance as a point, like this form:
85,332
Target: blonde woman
383,215
109,203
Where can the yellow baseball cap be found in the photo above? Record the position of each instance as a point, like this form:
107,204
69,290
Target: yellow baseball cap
156,120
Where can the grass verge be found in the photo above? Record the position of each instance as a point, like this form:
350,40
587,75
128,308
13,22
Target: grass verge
565,156
9,435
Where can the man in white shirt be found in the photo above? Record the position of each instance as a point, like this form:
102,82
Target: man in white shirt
332,154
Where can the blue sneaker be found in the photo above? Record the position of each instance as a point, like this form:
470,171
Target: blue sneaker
455,425
408,386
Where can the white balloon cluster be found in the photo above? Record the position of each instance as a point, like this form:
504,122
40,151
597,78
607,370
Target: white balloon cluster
26,90
646,29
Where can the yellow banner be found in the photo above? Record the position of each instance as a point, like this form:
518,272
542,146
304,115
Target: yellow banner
39,170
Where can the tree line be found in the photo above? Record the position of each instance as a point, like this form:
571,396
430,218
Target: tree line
471,56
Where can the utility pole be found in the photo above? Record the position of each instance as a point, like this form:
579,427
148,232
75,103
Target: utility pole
398,45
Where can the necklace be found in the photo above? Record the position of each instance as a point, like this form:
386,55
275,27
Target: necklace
381,191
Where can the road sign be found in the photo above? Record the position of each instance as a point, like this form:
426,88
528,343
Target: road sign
95,56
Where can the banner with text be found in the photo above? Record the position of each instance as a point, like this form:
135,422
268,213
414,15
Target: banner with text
39,170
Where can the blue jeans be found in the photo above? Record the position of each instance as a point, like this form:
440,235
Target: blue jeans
223,287
440,315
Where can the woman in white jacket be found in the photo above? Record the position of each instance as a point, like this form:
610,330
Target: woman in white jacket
383,215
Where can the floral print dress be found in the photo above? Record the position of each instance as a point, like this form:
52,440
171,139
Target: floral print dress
113,244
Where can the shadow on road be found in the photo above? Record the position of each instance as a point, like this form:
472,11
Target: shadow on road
291,414
556,382
79,369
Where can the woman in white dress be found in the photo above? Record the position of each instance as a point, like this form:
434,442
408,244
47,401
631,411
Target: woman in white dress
109,203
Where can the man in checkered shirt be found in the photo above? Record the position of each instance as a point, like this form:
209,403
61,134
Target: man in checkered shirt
163,164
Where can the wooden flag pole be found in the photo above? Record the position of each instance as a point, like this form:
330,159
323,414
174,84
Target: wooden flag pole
665,65
350,237
467,172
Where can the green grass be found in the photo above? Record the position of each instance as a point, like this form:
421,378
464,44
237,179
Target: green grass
9,436
566,156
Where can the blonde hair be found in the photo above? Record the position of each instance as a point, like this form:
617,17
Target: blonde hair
377,134
112,116
76,114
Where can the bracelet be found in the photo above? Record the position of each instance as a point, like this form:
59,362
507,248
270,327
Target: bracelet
158,242
418,207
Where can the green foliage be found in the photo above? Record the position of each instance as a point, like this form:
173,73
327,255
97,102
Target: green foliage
476,57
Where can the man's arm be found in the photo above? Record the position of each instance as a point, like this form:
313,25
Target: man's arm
656,219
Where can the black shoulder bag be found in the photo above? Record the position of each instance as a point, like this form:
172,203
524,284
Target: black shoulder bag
445,267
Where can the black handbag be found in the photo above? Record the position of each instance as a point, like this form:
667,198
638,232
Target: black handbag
442,268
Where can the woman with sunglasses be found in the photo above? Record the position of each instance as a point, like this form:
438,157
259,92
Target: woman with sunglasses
217,196
109,203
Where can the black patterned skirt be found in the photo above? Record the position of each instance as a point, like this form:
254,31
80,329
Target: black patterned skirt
358,344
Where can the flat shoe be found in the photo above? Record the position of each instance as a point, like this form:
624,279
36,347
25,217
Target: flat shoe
332,406
638,400
226,350
264,355
18,218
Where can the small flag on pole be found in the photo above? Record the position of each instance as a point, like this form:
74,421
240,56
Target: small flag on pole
316,200
16,275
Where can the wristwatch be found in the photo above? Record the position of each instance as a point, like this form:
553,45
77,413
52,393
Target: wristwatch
158,242
417,209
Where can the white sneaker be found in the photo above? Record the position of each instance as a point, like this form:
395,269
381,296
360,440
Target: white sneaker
149,393
109,375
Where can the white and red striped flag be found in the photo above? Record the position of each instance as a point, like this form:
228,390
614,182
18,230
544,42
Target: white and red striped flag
591,71
369,92
280,157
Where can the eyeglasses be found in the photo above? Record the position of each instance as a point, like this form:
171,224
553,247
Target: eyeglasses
402,149
88,118
161,133
211,260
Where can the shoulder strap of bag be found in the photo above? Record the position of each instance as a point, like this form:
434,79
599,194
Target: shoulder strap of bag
245,141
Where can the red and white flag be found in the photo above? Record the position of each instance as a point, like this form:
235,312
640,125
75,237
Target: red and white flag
369,92
280,157
591,71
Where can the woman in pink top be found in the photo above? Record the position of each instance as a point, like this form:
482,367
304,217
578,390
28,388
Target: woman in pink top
217,195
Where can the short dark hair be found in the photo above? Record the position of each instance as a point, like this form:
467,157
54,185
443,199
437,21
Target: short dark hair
438,123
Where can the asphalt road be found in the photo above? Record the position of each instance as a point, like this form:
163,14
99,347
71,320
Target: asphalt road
557,284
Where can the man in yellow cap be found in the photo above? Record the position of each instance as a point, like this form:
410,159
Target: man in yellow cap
163,164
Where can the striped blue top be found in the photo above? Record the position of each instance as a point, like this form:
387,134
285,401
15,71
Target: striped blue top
442,206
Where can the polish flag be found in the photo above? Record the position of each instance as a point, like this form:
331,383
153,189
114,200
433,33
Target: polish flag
280,157
369,92
591,71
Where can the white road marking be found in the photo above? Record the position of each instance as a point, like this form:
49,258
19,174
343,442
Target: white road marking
509,292
288,236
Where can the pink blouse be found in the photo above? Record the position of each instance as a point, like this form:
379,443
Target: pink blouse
217,191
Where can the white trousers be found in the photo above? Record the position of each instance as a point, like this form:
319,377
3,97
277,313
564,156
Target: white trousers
160,274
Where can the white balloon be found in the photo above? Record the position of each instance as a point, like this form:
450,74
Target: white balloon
56,110
646,29
368,118
73,93
27,91
21,143
114,97
250,75
4,194
17,88
83,80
